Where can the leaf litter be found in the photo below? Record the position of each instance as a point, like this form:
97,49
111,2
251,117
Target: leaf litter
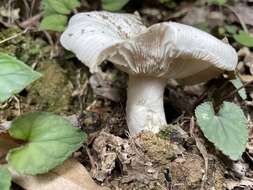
148,161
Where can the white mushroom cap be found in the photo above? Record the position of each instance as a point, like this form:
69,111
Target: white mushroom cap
149,55
167,50
89,34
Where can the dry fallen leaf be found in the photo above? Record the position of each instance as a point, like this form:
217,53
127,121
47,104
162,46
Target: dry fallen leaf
72,175
195,15
13,13
246,78
6,143
103,88
245,183
245,12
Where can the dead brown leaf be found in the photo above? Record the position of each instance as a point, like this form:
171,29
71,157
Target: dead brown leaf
123,164
195,15
72,175
245,12
245,183
187,171
246,78
6,143
104,88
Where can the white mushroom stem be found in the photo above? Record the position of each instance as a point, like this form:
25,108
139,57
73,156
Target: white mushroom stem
145,110
167,49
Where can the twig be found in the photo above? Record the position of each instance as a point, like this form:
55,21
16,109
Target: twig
202,150
92,161
239,18
200,98
7,25
18,105
10,19
30,21
14,36
238,89
27,7
49,38
51,42
31,8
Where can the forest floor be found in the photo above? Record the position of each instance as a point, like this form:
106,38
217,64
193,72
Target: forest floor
179,157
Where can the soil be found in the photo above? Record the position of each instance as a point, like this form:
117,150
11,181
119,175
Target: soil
168,160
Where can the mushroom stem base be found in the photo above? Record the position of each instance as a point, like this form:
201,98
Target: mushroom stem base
145,109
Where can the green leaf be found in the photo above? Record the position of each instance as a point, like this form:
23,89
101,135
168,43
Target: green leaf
237,84
113,5
71,4
51,139
47,9
14,76
203,26
59,6
244,38
231,29
54,22
217,2
227,129
5,179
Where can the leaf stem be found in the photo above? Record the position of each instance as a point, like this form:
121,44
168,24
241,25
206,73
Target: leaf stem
238,89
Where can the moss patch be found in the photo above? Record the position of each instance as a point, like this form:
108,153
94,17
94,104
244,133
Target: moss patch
157,149
23,46
53,91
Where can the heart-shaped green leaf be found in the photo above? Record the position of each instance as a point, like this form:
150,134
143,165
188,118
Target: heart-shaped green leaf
51,139
5,179
54,22
14,76
227,129
113,5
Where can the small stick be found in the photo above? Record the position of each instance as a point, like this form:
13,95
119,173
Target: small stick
202,150
31,20
28,10
92,161
18,105
200,99
14,36
238,89
239,18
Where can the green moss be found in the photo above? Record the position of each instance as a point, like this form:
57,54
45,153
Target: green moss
156,148
169,133
53,91
24,46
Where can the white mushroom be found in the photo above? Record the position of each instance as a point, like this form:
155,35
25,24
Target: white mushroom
150,56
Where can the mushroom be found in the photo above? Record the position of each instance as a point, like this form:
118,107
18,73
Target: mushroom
150,56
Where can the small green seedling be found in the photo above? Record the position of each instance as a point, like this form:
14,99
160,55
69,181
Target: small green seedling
56,14
14,76
48,141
